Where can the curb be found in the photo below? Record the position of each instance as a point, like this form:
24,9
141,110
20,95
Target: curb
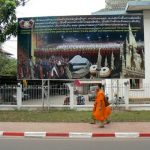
74,134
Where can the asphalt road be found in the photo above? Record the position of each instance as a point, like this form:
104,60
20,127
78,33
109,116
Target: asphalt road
74,144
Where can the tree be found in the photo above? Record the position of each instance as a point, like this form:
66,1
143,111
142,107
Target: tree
9,65
8,25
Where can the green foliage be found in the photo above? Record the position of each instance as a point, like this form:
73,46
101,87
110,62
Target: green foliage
8,66
8,25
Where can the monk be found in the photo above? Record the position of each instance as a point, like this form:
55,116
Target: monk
100,112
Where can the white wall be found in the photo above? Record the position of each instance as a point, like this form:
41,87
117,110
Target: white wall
147,45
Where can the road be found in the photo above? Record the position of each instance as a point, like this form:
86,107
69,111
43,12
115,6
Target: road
74,144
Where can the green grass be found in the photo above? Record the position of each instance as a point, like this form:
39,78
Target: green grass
70,116
131,116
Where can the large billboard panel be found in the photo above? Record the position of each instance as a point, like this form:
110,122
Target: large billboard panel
81,47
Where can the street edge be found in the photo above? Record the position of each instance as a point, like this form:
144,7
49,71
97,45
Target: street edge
74,134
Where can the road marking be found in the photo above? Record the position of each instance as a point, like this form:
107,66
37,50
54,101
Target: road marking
80,134
1,133
35,134
126,134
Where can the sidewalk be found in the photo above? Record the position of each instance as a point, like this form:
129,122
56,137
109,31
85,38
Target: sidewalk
127,129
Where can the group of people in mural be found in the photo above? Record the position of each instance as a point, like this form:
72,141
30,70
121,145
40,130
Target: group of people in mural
53,67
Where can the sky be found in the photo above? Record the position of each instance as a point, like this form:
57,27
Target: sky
53,8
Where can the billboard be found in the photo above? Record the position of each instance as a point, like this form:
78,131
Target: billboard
81,47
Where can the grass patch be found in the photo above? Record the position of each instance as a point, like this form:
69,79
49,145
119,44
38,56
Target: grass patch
131,116
70,116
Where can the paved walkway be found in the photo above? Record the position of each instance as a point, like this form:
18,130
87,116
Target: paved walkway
75,127
8,128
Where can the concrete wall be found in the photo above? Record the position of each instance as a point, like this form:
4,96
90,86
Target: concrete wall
147,45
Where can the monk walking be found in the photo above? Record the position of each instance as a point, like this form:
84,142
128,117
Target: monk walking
100,111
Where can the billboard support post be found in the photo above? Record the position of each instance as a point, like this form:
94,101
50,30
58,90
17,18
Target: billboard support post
70,86
45,91
19,95
126,88
48,99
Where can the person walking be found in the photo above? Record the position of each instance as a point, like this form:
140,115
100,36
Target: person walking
100,111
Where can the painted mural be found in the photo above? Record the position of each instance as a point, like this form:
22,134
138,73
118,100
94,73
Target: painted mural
81,47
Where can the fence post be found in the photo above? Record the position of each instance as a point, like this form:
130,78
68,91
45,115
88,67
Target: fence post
126,96
70,86
19,95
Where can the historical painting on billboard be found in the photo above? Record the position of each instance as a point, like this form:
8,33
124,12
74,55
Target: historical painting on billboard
81,47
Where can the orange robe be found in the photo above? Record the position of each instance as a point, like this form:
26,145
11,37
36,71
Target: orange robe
100,112
99,106
107,111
